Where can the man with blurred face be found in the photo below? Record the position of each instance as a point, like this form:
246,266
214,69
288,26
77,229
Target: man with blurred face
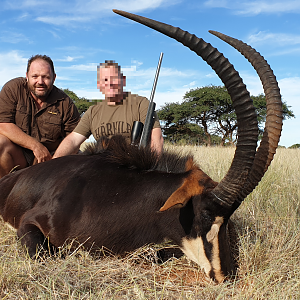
113,116
110,82
35,116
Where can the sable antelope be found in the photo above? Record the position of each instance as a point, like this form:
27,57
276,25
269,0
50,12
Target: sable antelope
122,197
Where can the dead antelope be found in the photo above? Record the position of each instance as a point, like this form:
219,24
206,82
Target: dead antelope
120,197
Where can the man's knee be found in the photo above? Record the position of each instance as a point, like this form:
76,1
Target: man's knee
6,145
11,154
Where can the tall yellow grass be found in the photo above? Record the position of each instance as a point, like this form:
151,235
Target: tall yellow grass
268,242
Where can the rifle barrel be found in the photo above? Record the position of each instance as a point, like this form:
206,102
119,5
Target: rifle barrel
156,77
146,133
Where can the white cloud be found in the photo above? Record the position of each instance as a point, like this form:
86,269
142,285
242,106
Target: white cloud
83,67
269,7
190,85
171,86
89,94
290,134
95,6
280,39
13,64
256,7
133,71
289,51
54,34
63,20
38,5
68,58
252,82
289,88
162,97
136,62
170,96
211,75
61,13
23,17
216,3
13,37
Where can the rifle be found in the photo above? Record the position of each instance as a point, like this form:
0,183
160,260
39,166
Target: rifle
146,128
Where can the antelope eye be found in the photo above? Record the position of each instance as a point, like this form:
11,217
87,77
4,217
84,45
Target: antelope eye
206,217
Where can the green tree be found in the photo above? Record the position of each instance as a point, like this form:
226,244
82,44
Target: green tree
260,105
211,109
177,128
81,103
295,146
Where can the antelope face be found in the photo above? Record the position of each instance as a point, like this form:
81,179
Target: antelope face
207,243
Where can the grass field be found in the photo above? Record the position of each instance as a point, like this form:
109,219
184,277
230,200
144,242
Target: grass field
268,227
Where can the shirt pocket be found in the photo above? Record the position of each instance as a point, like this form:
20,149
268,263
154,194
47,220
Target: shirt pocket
52,126
22,118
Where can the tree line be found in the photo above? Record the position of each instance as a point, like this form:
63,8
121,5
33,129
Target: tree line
206,117
81,103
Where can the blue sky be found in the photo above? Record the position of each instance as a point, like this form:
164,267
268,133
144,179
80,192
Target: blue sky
80,34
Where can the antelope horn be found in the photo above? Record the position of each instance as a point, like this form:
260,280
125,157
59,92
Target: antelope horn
273,125
230,186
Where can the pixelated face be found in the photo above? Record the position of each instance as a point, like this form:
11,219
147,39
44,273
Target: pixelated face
110,81
40,79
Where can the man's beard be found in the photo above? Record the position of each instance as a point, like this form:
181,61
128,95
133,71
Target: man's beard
40,94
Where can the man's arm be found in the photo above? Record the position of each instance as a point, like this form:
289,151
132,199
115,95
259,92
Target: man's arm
157,141
17,136
70,144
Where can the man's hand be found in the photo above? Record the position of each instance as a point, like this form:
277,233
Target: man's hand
41,153
17,136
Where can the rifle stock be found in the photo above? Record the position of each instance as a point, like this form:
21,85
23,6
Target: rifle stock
136,132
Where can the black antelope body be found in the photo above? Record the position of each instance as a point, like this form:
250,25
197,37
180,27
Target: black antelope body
120,197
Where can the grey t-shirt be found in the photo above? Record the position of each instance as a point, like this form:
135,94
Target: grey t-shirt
107,120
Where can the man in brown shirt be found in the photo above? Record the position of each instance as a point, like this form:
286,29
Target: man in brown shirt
35,116
115,115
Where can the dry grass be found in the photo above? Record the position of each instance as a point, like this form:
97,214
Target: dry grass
269,249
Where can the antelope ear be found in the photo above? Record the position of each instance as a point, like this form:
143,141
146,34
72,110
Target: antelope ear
179,198
214,230
188,189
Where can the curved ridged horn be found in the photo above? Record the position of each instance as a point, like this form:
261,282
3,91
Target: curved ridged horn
273,125
230,186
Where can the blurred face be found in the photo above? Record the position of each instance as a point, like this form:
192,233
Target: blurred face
40,79
111,83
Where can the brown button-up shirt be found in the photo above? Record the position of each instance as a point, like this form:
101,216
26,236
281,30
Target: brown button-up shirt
50,124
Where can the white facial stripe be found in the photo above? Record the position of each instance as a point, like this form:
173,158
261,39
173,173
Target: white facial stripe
194,250
214,231
216,262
